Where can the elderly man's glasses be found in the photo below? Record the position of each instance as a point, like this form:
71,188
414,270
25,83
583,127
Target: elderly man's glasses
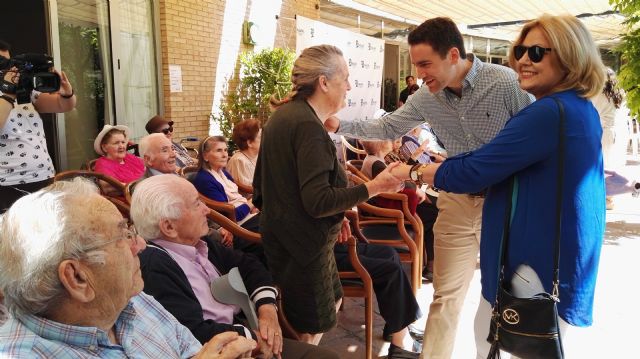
130,235
535,53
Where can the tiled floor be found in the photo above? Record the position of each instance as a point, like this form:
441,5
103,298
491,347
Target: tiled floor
616,311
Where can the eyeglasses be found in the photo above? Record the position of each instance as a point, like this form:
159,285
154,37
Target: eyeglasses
130,235
167,130
536,53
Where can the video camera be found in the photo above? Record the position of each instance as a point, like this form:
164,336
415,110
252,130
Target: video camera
34,71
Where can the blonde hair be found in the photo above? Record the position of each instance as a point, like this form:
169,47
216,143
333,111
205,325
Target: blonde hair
312,63
577,54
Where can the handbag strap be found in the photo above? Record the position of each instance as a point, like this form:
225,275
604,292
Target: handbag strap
511,201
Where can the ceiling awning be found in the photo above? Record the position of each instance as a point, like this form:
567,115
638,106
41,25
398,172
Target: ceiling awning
493,18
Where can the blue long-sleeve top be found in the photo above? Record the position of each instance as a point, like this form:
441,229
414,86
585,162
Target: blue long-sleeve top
206,184
528,148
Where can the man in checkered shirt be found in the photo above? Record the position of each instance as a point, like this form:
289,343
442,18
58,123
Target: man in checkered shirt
466,102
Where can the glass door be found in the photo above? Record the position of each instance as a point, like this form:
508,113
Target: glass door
136,72
85,57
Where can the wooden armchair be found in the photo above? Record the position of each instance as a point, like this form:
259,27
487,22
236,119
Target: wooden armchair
102,181
394,227
355,167
358,283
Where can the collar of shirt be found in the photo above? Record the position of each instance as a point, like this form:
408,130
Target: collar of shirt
85,337
188,252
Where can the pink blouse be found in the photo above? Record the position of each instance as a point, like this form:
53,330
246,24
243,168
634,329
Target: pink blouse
129,171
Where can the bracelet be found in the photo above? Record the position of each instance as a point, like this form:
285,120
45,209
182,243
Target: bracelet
68,96
9,100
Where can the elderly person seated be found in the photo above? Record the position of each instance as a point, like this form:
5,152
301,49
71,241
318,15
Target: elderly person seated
72,284
111,144
160,158
214,182
242,165
419,202
158,124
158,154
178,267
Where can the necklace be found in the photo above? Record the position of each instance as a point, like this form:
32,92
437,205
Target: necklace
249,158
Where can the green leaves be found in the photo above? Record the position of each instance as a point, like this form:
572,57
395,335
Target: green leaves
629,76
261,75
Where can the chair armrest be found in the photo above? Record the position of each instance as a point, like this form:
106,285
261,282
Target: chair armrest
243,188
352,216
223,207
233,227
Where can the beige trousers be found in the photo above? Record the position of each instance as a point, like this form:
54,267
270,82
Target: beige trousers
456,246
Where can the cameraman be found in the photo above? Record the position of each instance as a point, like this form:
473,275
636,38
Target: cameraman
25,164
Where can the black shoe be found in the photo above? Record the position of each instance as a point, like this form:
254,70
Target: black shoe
427,275
395,352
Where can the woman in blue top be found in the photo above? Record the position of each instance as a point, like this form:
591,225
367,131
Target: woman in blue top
555,58
214,182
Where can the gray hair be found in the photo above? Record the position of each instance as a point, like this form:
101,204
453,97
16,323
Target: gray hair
154,199
37,233
144,146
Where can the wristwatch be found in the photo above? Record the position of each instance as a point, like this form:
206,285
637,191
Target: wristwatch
416,173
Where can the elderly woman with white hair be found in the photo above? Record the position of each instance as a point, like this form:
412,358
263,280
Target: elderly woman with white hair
71,281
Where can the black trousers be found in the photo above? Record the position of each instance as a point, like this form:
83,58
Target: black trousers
428,213
397,304
10,194
246,246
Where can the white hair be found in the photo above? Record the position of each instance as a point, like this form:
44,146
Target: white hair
154,199
144,146
37,233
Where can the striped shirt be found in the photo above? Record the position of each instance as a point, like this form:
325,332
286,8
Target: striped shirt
490,96
144,330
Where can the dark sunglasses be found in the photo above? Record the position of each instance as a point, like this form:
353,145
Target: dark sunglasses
167,130
535,53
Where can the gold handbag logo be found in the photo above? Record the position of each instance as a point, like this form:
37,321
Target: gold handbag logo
511,316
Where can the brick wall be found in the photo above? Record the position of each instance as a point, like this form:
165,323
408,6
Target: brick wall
205,39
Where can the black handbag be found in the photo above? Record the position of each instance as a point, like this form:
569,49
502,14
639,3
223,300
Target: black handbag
528,327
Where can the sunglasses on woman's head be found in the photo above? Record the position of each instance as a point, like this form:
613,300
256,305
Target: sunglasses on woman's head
167,130
535,53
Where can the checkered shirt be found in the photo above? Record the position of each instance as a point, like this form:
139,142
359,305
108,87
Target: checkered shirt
144,330
490,96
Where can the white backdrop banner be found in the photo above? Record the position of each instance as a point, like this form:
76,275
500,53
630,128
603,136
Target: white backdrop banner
364,56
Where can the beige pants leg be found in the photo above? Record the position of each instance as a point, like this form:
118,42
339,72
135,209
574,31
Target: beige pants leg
456,246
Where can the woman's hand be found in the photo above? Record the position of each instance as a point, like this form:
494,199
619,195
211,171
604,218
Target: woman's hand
345,231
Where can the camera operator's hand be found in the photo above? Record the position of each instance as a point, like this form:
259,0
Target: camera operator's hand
62,101
65,86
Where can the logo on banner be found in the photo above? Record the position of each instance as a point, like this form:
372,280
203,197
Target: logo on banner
375,65
374,102
363,102
371,48
359,45
351,103
370,84
312,31
300,31
352,63
358,83
365,65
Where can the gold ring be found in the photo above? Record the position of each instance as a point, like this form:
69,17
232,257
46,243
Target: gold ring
276,333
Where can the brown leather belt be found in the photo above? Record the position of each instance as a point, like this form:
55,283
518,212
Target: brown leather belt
480,194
